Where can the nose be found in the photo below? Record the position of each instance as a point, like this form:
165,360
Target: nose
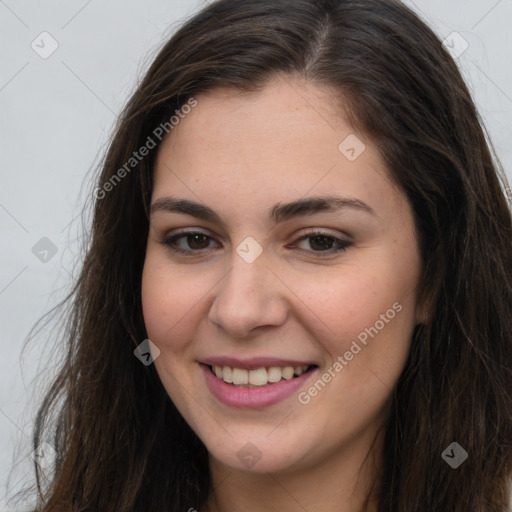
249,296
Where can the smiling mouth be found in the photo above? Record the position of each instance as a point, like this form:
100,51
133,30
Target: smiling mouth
259,377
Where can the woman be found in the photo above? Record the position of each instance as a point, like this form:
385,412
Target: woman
299,282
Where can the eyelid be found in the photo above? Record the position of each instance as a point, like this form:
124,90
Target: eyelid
325,232
180,233
344,241
302,233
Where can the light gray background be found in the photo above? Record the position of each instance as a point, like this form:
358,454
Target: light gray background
56,115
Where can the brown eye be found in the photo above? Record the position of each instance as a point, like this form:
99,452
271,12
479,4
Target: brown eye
319,244
188,242
198,241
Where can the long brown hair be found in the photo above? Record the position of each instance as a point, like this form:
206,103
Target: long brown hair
121,443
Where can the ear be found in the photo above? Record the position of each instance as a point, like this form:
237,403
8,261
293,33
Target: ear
422,316
423,310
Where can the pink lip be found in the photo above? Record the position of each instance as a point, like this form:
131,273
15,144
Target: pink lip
241,396
253,363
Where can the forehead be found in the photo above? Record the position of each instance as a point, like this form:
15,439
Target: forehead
284,110
285,141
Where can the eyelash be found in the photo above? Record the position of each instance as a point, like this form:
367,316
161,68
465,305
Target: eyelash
343,245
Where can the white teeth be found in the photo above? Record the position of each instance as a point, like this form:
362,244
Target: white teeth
287,372
240,376
258,376
274,374
227,374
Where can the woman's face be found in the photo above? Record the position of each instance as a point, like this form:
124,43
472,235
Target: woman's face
303,261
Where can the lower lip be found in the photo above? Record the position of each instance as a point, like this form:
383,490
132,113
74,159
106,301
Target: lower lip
241,396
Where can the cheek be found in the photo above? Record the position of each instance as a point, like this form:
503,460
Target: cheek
171,305
370,315
371,303
356,300
170,302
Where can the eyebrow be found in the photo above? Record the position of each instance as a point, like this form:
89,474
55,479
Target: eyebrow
278,213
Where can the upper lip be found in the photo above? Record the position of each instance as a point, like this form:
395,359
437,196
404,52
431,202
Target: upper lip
253,363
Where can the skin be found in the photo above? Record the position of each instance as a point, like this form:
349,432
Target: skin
241,154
